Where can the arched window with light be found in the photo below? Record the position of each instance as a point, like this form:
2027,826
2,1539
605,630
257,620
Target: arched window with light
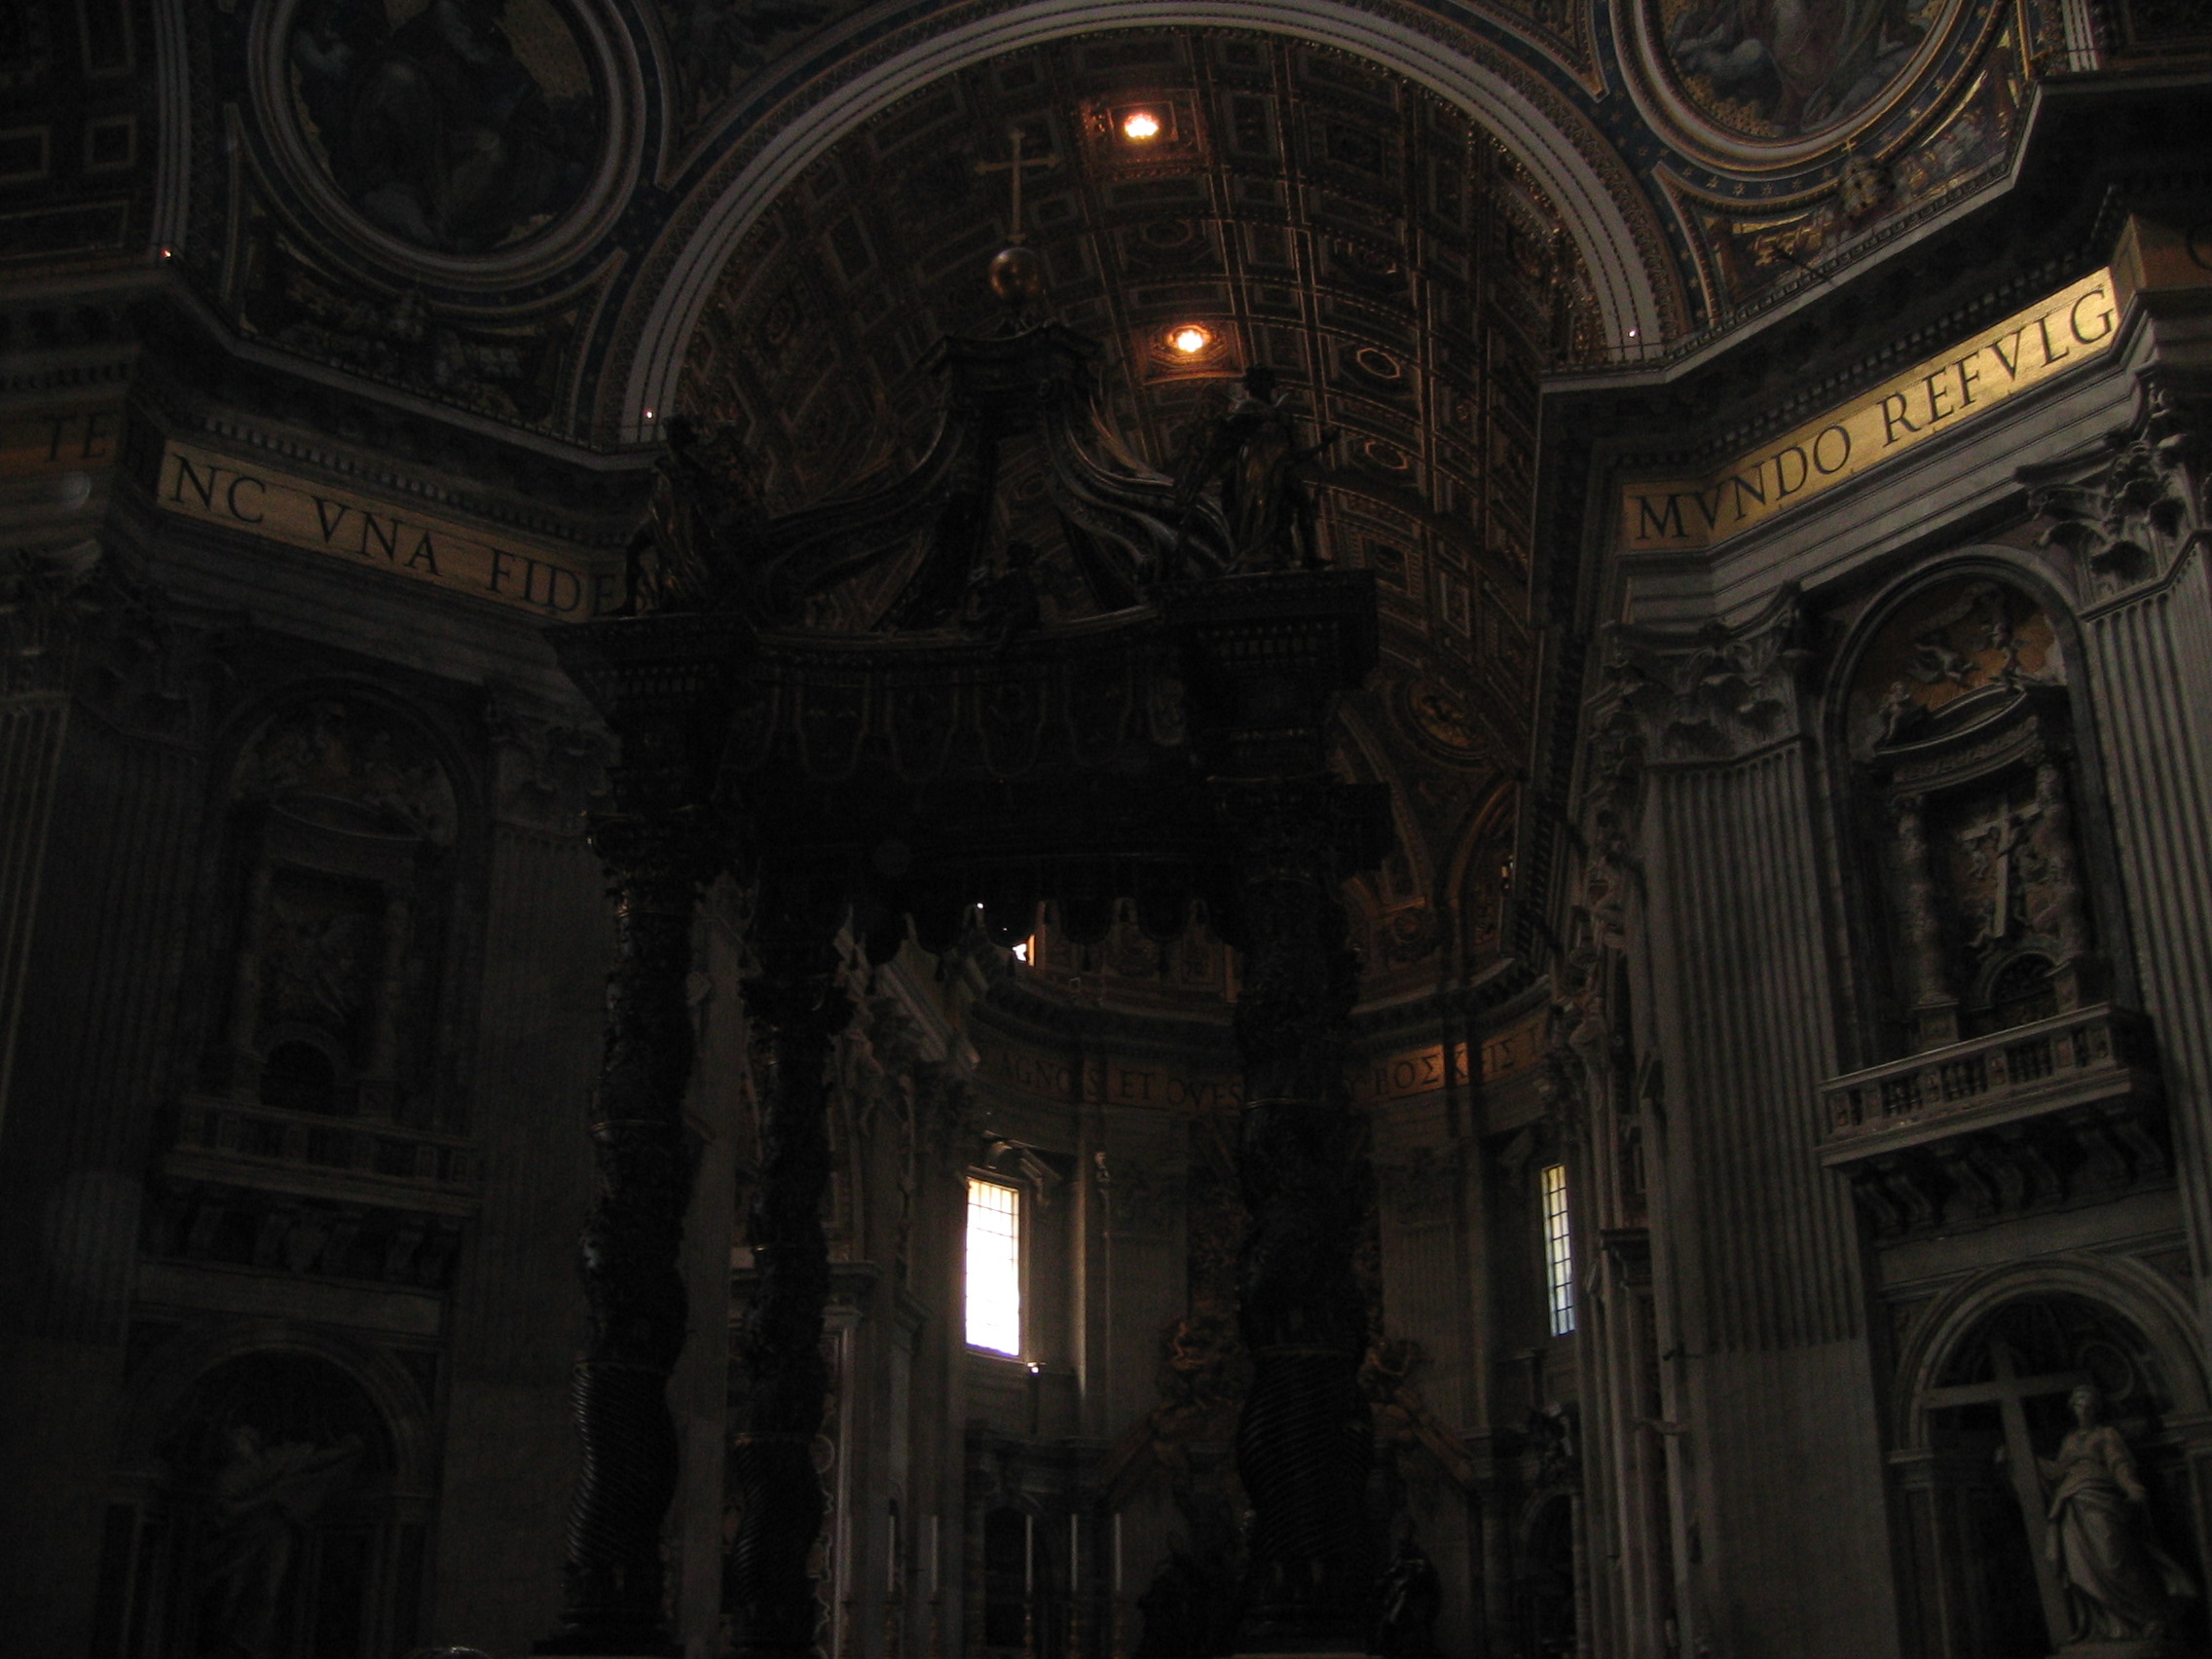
1559,1249
994,1267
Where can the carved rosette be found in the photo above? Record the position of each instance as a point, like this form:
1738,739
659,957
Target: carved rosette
611,1584
796,1008
1303,1441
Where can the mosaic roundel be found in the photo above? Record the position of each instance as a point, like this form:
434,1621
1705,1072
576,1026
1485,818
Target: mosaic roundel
1783,69
458,126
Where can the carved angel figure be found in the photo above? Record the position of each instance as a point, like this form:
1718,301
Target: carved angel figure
1252,451
2119,1582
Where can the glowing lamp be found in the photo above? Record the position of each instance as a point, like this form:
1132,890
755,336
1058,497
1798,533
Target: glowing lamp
1190,340
1140,124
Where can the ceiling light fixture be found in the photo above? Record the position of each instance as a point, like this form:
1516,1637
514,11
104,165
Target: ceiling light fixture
1190,339
1140,124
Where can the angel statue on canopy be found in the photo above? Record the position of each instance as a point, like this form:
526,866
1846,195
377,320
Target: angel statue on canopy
1251,450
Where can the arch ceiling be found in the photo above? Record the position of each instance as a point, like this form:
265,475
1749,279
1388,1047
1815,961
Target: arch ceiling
1413,206
1697,181
1406,275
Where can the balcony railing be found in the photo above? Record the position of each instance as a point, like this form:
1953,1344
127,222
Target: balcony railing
2054,1062
241,1137
2065,1110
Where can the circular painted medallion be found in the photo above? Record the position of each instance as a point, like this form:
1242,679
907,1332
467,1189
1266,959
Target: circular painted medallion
461,127
1780,70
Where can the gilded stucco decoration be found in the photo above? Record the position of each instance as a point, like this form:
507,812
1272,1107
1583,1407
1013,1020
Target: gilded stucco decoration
1797,134
439,195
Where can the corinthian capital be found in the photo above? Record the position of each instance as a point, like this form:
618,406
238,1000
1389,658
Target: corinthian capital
1709,693
2125,509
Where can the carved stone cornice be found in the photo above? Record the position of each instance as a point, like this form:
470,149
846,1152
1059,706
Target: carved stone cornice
2127,510
2061,1111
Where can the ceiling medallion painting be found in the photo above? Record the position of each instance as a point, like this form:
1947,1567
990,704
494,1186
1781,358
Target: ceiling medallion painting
462,130
1786,69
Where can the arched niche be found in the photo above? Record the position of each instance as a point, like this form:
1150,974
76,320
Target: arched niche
273,1497
1983,1411
1973,823
342,910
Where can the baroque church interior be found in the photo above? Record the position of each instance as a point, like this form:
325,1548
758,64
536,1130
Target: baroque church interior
1104,829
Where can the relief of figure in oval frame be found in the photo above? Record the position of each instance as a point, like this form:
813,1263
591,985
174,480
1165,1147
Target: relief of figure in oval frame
1771,70
461,127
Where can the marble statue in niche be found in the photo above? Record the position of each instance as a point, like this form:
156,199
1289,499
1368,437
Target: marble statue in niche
458,125
1778,68
2060,1504
266,1496
2119,1582
268,1534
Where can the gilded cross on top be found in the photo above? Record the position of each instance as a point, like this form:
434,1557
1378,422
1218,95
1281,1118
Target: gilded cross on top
1015,164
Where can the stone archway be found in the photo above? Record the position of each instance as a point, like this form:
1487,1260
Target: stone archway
270,1502
1984,1412
1617,232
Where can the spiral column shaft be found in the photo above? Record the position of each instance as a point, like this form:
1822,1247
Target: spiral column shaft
612,1591
796,1009
1304,1440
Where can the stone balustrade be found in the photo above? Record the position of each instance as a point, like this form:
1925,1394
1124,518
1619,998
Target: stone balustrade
2037,1115
241,1136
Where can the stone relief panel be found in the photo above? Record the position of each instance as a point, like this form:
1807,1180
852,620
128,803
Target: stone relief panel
346,827
1946,643
323,1131
1959,724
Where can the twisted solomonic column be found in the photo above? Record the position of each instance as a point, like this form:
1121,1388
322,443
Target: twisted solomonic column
1304,1442
612,1583
795,1010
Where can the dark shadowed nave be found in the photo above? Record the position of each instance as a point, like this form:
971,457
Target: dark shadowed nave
1295,827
